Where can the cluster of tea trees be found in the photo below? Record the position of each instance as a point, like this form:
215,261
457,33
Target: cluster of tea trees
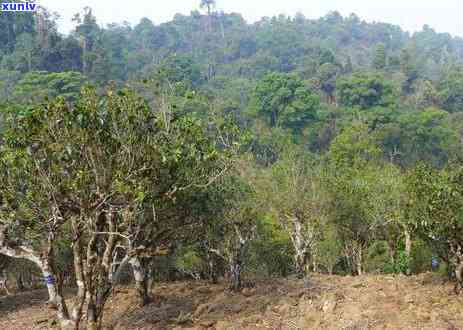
224,149
111,177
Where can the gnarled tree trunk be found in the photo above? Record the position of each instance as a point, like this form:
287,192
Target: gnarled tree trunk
56,298
4,262
79,274
141,280
236,260
301,249
359,261
457,252
44,260
212,265
235,274
459,277
354,255
4,282
408,249
98,266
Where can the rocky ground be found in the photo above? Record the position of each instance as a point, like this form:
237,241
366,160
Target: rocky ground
330,302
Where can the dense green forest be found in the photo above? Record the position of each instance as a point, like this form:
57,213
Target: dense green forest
207,147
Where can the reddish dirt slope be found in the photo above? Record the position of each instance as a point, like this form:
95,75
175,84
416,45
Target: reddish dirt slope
331,302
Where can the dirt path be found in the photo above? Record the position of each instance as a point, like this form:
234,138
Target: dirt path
331,302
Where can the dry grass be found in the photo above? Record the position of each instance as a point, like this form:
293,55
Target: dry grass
331,302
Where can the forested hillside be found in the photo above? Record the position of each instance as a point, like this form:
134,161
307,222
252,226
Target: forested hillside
210,148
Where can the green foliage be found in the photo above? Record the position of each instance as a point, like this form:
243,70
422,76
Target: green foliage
327,75
377,257
189,262
379,57
421,257
435,201
450,91
37,86
426,95
179,71
354,148
329,250
420,136
271,253
400,264
8,80
409,70
365,90
283,101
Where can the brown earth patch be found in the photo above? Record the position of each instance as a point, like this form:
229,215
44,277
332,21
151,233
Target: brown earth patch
330,302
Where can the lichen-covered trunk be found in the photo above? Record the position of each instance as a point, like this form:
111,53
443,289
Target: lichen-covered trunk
55,294
392,251
236,266
457,260
235,276
98,290
50,282
212,272
141,281
4,282
358,260
354,256
348,257
301,264
213,276
20,282
43,258
98,267
330,270
314,261
459,277
79,275
300,250
408,249
92,315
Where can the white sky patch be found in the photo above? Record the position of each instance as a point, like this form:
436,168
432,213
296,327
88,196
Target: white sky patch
411,15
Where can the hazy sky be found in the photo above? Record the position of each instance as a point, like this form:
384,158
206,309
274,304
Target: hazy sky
443,15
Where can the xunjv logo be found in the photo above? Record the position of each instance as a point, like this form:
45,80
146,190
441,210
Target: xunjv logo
18,6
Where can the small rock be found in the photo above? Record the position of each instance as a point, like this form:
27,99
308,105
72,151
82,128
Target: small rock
329,306
423,314
296,294
201,309
248,292
221,297
283,309
358,325
236,309
222,325
253,319
121,291
305,303
207,324
409,299
203,290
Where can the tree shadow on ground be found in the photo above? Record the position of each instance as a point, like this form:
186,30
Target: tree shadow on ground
21,300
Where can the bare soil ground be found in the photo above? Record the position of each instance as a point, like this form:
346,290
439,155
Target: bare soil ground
330,302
